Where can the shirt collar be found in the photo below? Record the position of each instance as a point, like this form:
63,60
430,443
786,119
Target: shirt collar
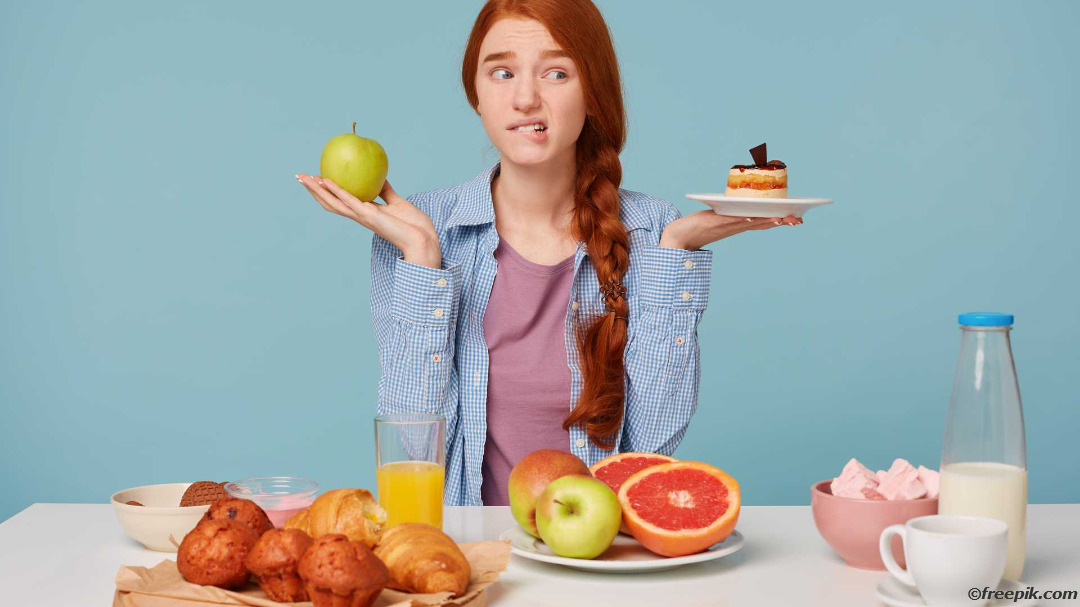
475,207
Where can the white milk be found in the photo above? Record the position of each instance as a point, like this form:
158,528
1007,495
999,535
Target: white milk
993,490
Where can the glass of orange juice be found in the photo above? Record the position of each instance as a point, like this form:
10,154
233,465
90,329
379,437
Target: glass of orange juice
410,455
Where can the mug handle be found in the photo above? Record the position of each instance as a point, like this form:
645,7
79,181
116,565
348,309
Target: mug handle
885,547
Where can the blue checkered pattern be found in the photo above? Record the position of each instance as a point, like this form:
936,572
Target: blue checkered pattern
429,327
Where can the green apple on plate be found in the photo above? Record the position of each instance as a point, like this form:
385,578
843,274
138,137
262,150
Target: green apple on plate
578,516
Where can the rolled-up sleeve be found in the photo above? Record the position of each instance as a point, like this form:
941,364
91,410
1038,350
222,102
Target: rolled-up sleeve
675,277
424,295
663,361
414,309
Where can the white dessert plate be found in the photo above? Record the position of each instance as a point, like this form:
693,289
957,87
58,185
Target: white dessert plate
741,206
626,555
892,592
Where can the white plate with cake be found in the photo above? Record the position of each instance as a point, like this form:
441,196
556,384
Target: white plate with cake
758,190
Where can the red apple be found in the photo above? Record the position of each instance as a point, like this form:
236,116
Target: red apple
532,475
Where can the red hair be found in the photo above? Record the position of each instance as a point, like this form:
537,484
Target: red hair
579,28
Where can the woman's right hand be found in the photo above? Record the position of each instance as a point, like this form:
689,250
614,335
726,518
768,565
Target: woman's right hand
398,221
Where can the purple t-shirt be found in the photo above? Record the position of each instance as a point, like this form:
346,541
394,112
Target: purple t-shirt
528,374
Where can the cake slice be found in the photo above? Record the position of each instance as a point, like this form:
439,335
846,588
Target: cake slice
763,179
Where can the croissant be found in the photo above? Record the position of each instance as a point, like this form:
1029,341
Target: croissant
350,512
423,559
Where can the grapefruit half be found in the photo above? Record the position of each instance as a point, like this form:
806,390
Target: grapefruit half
615,469
680,508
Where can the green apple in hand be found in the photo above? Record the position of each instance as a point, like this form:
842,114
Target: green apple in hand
355,163
578,516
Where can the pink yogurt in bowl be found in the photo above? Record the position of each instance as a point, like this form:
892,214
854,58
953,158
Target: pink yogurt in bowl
280,496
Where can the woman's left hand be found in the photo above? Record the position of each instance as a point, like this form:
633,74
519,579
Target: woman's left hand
699,229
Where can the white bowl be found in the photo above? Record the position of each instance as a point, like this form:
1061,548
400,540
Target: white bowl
159,524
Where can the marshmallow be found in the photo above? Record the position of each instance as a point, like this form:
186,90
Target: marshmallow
855,467
855,480
856,486
899,465
872,494
903,484
930,479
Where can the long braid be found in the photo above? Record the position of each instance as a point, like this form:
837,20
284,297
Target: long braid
596,222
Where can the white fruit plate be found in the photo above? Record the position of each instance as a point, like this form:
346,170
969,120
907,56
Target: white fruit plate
626,555
740,206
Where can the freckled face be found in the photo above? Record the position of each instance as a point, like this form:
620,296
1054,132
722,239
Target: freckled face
531,100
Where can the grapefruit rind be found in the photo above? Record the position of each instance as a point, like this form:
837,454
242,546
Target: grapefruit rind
687,541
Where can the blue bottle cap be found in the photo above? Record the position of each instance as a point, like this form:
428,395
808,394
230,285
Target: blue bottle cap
986,319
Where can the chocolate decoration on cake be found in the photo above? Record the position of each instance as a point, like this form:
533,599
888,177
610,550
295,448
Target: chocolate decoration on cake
761,158
761,161
772,166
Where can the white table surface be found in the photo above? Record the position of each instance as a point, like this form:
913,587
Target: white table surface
74,551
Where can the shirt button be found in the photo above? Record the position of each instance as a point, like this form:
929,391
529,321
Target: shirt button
436,358
678,341
686,296
441,282
437,312
574,306
580,442
688,264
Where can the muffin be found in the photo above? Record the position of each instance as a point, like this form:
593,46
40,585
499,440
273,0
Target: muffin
243,511
338,572
213,553
274,561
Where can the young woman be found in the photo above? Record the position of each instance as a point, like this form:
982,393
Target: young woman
539,305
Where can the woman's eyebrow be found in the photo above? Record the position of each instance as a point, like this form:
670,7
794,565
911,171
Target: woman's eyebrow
504,55
501,56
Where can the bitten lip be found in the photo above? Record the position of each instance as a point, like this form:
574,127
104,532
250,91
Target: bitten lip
527,122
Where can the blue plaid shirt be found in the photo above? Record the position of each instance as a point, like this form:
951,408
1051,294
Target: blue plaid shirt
429,327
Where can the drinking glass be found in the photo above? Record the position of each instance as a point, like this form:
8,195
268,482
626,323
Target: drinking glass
410,455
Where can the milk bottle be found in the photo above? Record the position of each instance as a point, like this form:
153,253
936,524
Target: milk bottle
984,456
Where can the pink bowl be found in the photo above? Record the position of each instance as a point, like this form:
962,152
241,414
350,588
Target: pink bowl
852,526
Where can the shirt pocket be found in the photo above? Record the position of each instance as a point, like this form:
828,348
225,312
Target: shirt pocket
660,348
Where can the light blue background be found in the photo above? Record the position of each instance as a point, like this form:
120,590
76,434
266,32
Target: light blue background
175,307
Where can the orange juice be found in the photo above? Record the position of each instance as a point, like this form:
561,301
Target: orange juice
411,492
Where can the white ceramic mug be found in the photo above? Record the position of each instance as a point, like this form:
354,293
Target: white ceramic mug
947,556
